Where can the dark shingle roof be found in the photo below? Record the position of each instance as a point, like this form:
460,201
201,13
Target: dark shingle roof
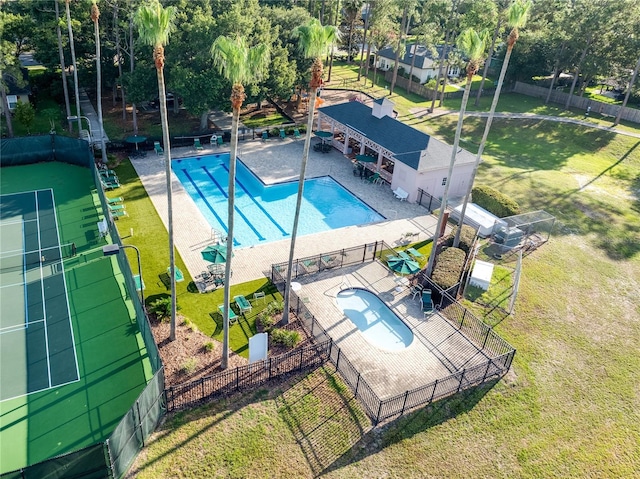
406,143
422,54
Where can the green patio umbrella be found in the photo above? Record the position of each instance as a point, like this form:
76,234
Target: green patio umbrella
404,266
216,253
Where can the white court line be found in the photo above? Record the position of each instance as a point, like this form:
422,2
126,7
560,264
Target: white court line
11,329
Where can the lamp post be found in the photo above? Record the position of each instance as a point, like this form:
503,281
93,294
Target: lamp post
111,249
74,118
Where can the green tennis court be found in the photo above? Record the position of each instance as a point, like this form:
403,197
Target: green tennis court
39,420
37,350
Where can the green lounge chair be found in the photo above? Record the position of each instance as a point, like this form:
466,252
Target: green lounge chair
329,261
113,201
179,275
138,282
374,179
414,252
265,136
118,214
282,134
197,145
233,317
158,148
113,208
111,184
243,304
220,140
296,134
426,302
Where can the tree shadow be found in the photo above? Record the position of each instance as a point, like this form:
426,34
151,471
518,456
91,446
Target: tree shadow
407,426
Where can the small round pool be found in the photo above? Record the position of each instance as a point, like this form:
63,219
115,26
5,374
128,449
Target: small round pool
375,320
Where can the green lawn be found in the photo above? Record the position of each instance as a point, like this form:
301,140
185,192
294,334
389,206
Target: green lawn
568,407
150,236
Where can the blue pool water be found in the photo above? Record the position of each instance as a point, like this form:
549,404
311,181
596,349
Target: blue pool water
265,213
379,324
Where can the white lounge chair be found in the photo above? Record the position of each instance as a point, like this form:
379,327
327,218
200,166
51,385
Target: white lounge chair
400,194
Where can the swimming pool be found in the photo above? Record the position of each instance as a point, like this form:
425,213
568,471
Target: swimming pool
265,213
379,324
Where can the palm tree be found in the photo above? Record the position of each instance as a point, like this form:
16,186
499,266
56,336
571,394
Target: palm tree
518,12
63,67
314,40
473,46
95,15
239,64
72,45
155,24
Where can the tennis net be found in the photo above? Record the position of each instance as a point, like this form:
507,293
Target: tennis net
32,259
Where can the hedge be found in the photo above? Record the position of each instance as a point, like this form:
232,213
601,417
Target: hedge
448,267
494,201
467,235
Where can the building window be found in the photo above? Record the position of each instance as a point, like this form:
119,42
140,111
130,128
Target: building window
12,100
444,181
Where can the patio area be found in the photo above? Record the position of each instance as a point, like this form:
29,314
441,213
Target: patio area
437,351
275,161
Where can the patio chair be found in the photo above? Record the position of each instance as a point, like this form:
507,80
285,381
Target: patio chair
220,140
426,302
118,214
108,175
197,145
414,252
282,134
329,261
259,295
265,136
243,305
233,317
296,134
400,194
373,179
416,289
179,274
158,148
114,201
110,184
113,208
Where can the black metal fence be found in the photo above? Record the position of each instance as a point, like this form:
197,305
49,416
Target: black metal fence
379,409
246,377
431,203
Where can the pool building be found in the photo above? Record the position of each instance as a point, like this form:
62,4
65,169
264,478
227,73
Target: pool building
405,157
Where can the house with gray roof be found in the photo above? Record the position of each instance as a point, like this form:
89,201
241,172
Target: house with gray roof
425,65
405,157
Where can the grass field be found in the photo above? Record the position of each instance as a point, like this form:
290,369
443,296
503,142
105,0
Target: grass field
568,407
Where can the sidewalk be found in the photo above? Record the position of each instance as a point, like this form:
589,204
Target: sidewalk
87,110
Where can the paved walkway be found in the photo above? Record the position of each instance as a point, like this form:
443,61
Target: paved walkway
274,161
422,112
87,110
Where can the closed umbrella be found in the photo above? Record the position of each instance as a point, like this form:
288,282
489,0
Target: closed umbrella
404,266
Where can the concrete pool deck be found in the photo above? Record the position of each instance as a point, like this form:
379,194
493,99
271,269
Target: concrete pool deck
437,351
273,161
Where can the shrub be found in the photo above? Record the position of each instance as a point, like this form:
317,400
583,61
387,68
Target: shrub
494,201
189,366
162,308
467,235
209,346
274,307
448,267
266,321
285,337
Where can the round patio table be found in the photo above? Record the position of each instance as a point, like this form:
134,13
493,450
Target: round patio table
135,139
